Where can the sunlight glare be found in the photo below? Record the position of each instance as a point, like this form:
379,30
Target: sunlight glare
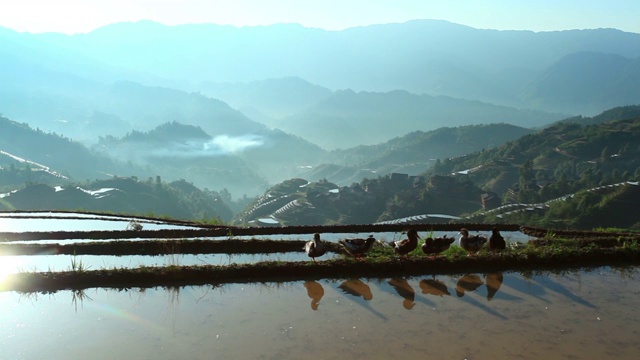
9,265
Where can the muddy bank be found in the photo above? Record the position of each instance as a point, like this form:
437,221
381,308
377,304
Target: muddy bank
146,277
162,247
575,234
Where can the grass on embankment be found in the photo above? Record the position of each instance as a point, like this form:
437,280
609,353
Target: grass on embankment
380,262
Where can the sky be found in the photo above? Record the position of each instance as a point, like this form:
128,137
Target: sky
81,16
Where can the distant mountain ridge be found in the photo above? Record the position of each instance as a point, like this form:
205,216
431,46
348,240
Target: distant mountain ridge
576,148
301,92
410,154
574,165
365,118
584,78
421,56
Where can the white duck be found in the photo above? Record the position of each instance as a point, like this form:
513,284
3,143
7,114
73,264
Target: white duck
315,248
472,243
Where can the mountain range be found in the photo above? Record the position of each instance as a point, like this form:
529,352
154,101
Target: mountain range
422,56
243,108
578,173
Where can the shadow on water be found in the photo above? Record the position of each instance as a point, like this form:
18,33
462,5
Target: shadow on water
524,285
496,281
362,294
548,283
401,287
405,290
469,283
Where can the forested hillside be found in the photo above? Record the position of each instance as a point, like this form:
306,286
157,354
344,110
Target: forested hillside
562,171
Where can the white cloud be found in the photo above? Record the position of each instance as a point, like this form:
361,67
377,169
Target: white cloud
229,144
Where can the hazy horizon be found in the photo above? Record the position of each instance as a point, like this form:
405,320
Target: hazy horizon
75,16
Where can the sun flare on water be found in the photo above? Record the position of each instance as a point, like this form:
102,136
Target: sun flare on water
8,265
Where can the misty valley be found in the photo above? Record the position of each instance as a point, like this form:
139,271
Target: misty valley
346,137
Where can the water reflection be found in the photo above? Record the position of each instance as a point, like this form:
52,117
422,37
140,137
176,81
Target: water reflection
315,291
405,290
434,287
493,283
468,283
356,288
580,314
78,297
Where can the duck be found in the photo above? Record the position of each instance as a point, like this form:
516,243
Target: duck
496,241
435,246
403,247
315,248
358,247
472,243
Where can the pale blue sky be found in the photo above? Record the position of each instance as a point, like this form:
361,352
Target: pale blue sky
73,16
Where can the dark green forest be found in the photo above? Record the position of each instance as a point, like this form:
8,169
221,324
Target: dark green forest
565,162
559,176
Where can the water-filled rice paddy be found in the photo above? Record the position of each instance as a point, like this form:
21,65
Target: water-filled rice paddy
558,314
589,313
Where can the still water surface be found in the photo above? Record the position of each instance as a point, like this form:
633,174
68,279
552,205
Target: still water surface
576,315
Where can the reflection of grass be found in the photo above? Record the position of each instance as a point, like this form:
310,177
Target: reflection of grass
552,250
381,262
79,296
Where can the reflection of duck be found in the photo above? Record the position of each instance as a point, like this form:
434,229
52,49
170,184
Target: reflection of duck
315,248
315,292
433,287
468,282
471,243
435,246
358,247
493,283
403,247
356,287
496,241
405,290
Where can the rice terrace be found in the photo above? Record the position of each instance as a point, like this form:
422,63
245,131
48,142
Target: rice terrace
256,179
205,285
546,248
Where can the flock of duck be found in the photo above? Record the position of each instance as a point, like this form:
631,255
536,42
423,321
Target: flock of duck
359,247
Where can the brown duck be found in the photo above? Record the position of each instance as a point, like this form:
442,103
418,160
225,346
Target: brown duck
403,247
435,246
496,241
